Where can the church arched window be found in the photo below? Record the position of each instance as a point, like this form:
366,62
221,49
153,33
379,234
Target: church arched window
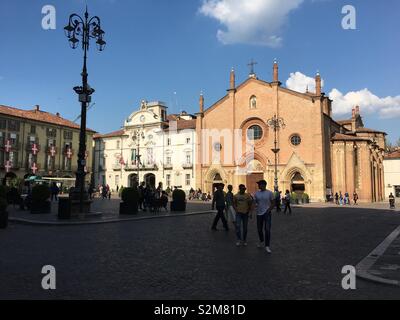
253,102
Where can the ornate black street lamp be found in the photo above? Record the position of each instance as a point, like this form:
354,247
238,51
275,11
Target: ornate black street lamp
138,135
276,123
83,30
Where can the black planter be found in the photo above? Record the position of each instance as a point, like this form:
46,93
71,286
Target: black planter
64,208
178,206
3,219
128,208
40,207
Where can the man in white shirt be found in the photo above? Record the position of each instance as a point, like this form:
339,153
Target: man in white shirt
264,200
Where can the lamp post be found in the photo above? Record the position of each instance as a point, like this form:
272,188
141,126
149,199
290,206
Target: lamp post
137,136
276,123
83,30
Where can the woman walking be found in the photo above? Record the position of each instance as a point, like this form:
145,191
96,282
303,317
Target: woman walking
287,202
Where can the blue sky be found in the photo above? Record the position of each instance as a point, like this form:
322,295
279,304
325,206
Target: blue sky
169,51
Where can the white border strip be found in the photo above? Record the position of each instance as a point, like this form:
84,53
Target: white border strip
368,262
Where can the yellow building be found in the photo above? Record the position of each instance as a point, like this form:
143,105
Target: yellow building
318,155
35,142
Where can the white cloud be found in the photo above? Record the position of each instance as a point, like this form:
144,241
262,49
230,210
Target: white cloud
256,22
300,82
387,107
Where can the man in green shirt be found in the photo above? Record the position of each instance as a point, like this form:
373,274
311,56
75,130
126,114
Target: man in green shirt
242,203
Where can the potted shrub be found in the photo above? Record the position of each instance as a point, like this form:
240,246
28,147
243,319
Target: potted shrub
130,201
40,200
178,202
3,213
293,198
306,198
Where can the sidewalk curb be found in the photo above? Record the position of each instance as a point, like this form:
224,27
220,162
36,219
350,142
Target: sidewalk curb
368,262
75,223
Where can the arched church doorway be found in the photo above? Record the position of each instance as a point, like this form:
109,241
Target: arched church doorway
255,173
216,182
150,180
297,183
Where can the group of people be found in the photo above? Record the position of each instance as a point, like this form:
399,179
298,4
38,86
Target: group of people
152,199
240,207
104,191
199,195
341,199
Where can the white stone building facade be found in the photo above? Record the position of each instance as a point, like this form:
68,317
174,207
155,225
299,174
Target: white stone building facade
164,144
391,164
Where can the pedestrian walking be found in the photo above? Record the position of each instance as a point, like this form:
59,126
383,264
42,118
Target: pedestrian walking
55,190
355,198
340,198
278,200
264,200
337,198
392,201
218,202
287,202
346,198
242,203
230,206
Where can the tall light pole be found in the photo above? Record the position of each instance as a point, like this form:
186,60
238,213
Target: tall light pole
276,123
83,30
137,136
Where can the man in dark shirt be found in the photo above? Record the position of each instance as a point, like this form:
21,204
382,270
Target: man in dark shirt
218,202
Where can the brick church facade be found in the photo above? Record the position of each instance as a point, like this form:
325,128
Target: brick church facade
318,155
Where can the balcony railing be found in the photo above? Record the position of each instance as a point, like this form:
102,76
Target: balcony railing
118,166
168,166
187,165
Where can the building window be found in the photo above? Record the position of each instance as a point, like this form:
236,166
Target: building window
33,129
51,142
13,158
188,159
2,138
3,124
253,102
168,141
118,144
50,162
168,178
117,180
51,132
187,140
150,159
2,158
295,140
67,135
187,180
31,141
31,160
67,165
255,133
169,160
13,125
13,138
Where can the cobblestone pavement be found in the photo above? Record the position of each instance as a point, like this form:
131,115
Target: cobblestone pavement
180,258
